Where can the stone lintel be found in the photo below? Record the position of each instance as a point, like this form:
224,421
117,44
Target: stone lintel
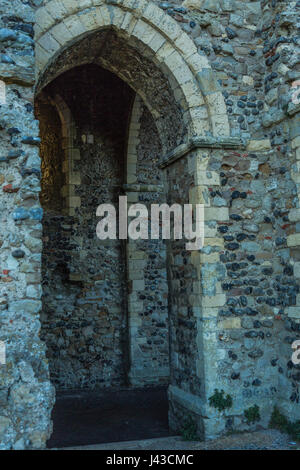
226,143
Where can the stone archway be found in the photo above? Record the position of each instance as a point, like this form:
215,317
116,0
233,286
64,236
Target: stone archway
84,312
175,82
148,50
156,35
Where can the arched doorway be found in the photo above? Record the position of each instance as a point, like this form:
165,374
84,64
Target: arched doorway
148,51
105,303
84,280
91,289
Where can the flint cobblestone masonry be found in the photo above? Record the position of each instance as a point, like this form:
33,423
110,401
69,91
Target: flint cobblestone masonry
209,69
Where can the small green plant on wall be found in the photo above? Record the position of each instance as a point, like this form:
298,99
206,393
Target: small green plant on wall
252,414
220,401
189,430
283,424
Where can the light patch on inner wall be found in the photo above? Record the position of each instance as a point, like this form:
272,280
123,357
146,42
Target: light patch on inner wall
52,156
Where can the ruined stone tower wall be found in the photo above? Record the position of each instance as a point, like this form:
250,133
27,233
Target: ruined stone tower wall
26,393
234,307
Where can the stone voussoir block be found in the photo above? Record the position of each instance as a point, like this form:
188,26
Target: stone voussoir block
56,9
44,19
61,34
49,43
207,81
74,25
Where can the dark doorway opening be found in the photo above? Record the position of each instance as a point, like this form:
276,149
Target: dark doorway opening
104,329
94,417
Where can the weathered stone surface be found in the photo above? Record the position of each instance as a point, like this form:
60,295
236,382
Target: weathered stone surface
229,313
17,75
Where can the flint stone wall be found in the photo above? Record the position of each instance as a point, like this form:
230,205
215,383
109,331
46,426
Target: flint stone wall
250,274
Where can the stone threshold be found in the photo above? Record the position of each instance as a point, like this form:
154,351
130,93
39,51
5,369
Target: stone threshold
129,445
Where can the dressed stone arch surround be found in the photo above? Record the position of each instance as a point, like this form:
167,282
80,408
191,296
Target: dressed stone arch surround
59,24
146,48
